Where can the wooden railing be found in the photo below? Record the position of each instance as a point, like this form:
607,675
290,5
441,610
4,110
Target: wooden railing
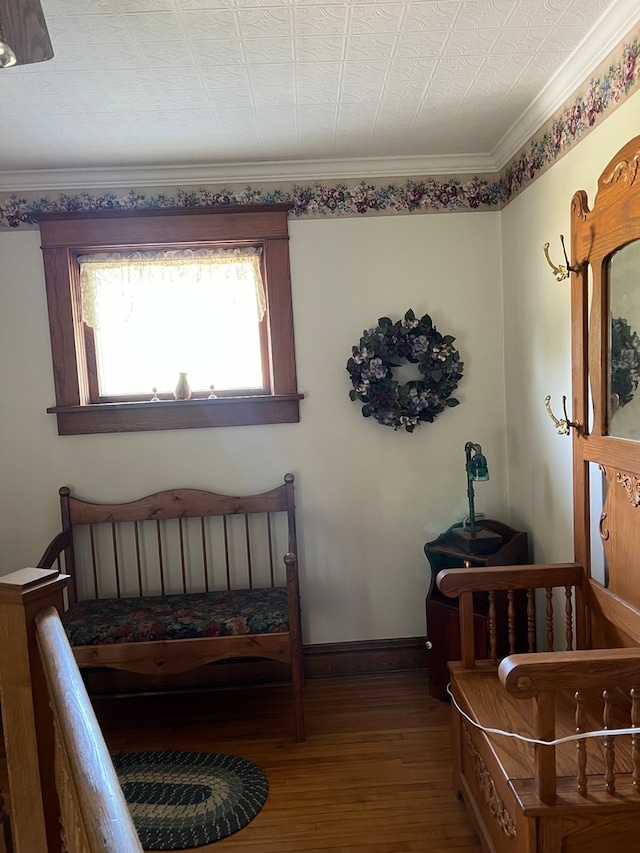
568,577
574,691
64,792
605,686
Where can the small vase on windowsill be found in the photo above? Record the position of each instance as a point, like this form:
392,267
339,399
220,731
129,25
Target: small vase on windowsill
183,391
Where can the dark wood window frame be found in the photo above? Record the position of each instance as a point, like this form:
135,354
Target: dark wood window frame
65,236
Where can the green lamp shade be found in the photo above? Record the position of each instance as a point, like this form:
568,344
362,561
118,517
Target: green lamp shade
478,469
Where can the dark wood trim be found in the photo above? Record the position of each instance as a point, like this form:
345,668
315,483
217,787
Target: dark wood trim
177,414
134,229
121,213
281,344
66,236
364,657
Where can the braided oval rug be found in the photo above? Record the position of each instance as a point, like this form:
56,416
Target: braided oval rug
181,800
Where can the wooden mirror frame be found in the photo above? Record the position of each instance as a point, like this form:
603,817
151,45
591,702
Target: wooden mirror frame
596,234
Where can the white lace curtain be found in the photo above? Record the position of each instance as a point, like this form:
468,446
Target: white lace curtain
228,270
157,313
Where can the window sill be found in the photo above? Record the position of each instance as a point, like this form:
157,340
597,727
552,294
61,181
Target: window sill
177,414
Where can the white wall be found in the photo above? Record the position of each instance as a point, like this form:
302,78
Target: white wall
537,334
368,497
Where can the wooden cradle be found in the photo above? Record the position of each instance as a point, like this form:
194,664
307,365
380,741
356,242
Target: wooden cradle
581,796
180,579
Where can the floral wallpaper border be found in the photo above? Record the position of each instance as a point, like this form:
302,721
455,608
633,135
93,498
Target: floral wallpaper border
618,76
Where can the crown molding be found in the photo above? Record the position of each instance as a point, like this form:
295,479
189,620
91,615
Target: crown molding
606,34
203,174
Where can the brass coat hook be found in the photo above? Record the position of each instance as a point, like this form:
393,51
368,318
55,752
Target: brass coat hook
564,425
561,271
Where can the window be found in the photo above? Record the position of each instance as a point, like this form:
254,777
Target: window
135,298
153,315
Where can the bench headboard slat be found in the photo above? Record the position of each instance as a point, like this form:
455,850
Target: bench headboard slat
94,561
116,561
226,551
179,541
205,562
160,557
270,548
183,566
136,535
248,541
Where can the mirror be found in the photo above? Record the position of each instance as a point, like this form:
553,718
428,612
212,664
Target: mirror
624,344
597,497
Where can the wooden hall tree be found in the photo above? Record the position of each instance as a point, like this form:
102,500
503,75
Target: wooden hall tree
579,796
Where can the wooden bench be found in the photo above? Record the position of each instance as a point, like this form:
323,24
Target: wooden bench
581,795
180,579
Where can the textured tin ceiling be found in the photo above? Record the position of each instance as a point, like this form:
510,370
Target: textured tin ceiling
174,82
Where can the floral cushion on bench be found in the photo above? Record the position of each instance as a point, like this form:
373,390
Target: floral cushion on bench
177,617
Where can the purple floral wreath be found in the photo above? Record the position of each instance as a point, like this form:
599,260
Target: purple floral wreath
381,349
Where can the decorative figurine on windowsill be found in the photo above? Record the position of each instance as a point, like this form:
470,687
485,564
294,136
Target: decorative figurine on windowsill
183,391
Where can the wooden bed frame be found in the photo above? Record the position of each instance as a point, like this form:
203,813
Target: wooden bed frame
180,579
581,796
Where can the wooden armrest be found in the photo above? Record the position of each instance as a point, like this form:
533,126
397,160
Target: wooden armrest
525,676
455,582
54,549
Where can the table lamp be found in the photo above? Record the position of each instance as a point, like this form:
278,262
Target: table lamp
472,537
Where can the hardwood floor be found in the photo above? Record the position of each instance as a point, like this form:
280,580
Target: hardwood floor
374,775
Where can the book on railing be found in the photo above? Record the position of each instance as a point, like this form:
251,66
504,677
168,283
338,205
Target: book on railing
24,578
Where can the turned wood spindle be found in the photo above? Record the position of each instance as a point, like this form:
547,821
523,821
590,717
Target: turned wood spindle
609,744
581,745
549,614
531,620
511,615
568,611
493,634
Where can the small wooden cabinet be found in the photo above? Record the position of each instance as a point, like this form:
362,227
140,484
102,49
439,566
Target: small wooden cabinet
443,622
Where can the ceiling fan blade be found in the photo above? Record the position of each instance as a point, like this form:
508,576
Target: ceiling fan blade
25,29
